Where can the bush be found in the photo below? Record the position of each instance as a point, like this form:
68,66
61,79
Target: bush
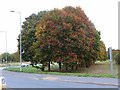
117,58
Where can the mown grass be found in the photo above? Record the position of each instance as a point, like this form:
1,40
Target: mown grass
99,69
36,71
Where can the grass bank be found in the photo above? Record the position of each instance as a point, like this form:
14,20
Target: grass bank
36,71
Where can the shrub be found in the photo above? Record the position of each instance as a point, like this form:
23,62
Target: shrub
117,58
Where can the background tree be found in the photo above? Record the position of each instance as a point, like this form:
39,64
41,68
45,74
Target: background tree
115,52
102,54
29,50
117,58
15,57
3,57
116,55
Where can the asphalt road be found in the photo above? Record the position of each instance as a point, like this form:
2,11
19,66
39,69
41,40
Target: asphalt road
24,80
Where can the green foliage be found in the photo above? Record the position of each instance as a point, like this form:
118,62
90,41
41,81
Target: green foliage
28,37
115,53
30,48
5,56
102,54
15,57
117,58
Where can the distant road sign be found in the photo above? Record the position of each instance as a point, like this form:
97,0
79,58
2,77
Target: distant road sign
110,53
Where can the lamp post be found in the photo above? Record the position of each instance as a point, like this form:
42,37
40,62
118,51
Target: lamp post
20,40
6,42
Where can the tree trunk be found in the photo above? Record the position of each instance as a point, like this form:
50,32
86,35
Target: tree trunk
59,66
87,65
42,68
49,66
76,66
72,67
66,66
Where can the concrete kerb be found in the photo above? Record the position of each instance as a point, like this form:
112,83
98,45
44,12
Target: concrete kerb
78,81
110,84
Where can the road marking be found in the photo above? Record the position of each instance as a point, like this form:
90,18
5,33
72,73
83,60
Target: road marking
49,78
34,78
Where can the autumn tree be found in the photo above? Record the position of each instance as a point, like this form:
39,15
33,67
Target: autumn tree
67,36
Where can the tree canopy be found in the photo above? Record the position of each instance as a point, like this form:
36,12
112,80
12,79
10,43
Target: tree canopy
65,36
102,54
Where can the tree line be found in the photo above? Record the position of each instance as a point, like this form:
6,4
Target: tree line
13,57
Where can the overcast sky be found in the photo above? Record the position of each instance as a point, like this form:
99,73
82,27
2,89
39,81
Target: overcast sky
103,13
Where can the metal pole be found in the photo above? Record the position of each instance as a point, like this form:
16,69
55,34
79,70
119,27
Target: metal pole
20,45
6,46
20,40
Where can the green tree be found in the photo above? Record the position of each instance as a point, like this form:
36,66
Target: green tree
28,37
102,54
3,57
117,58
116,55
29,50
15,57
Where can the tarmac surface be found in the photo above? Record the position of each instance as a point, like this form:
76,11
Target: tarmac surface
76,79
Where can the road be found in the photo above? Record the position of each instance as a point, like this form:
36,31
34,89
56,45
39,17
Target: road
24,80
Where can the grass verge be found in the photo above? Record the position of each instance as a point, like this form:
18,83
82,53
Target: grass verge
36,71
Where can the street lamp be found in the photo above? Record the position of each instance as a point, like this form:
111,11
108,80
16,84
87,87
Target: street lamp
20,40
6,42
